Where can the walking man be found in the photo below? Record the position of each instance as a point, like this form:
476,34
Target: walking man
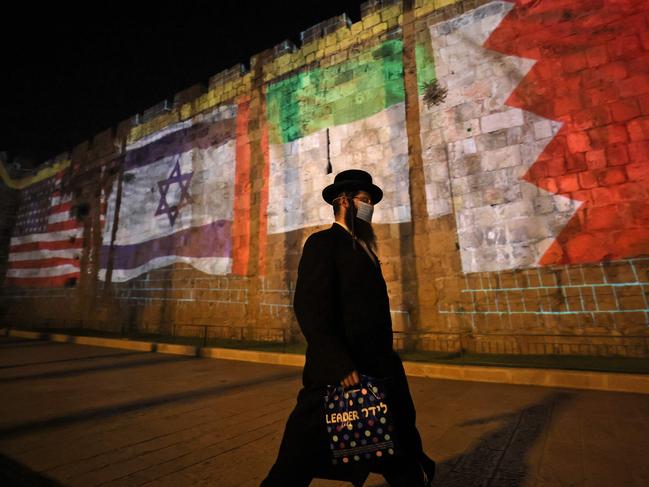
341,304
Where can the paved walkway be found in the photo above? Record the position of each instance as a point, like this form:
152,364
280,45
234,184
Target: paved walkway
77,415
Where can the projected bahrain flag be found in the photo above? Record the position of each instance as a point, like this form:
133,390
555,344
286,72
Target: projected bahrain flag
592,75
541,147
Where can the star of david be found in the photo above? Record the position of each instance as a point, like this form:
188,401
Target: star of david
185,199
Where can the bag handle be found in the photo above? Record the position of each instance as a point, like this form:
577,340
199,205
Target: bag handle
341,389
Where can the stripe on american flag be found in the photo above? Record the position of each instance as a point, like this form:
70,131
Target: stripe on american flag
47,240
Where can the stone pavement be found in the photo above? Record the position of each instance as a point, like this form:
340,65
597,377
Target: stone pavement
78,415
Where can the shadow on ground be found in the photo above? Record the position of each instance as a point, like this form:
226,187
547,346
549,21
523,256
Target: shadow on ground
94,414
15,474
498,459
58,374
19,342
74,359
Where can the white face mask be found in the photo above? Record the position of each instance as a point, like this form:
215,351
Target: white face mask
364,211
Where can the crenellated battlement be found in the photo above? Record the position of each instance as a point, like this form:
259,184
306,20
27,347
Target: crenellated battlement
325,44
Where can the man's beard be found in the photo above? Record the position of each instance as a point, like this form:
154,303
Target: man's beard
362,229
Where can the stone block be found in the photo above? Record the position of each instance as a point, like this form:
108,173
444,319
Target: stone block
500,158
596,56
578,142
638,129
497,121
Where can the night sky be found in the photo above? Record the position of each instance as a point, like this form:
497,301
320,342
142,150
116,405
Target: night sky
68,74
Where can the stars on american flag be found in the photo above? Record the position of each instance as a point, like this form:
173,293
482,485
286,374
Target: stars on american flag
34,208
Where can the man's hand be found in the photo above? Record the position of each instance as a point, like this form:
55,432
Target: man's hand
351,380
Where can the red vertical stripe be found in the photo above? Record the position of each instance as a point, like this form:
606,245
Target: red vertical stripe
263,203
241,213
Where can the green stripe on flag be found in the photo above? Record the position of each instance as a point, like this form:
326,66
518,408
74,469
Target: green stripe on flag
353,90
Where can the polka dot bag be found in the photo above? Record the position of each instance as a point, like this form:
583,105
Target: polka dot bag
358,422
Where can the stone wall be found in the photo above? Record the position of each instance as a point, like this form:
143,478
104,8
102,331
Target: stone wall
510,139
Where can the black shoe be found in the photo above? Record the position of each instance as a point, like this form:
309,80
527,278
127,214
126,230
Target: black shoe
428,467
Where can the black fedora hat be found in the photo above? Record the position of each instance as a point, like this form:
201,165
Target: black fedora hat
352,180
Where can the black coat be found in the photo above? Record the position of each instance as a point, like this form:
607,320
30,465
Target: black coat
341,304
342,307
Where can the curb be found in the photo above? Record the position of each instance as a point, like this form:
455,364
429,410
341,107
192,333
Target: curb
571,379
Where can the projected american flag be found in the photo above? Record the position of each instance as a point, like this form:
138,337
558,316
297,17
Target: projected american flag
47,240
